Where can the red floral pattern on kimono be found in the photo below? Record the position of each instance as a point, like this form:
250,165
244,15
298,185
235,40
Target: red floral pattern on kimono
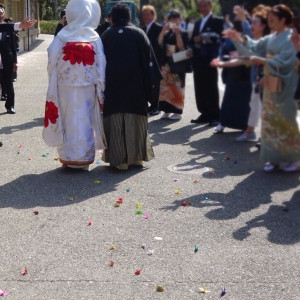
79,52
51,113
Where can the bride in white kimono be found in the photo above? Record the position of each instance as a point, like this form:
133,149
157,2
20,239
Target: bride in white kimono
76,69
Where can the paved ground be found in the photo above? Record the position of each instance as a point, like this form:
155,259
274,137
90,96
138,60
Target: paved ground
245,223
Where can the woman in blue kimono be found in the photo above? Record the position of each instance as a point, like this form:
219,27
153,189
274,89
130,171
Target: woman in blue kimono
280,137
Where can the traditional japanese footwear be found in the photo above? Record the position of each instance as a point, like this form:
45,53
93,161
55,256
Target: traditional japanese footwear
219,128
165,116
246,137
80,167
175,117
292,167
270,167
123,167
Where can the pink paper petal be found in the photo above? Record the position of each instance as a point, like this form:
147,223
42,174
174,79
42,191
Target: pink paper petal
3,293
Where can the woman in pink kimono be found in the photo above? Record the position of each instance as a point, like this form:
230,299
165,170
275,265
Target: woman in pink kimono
76,69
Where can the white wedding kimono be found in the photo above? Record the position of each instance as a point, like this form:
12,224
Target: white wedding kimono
73,121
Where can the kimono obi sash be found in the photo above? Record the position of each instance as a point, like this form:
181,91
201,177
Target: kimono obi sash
77,66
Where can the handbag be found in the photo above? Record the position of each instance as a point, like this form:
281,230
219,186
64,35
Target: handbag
181,64
273,83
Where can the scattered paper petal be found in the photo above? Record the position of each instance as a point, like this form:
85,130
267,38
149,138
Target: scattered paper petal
24,271
3,293
196,249
138,205
150,252
90,223
143,246
120,200
71,198
235,162
138,212
159,288
36,212
138,272
98,162
175,179
196,180
146,216
117,204
97,181
111,263
56,158
227,158
127,189
177,192
158,238
203,290
112,247
223,292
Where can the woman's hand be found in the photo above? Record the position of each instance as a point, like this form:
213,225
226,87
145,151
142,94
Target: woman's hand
233,35
296,40
257,60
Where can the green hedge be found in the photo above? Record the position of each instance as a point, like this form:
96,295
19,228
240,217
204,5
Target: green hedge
48,27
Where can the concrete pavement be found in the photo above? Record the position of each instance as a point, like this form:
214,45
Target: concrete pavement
245,223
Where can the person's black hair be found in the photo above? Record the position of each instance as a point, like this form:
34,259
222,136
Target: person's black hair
120,14
62,13
173,14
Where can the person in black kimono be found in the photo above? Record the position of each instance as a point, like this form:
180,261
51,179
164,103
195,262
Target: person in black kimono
127,92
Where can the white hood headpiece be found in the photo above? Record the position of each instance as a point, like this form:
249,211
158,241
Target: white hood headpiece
83,17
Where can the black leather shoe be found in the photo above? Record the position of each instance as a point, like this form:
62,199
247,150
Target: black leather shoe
200,120
11,111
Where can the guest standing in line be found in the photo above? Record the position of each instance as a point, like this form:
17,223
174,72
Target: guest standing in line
127,92
280,137
172,39
205,45
153,29
235,105
76,69
62,22
8,64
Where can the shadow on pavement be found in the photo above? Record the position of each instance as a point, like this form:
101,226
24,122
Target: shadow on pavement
249,194
56,187
283,223
11,129
163,134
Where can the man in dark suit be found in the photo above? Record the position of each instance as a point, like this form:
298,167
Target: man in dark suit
205,44
153,30
8,63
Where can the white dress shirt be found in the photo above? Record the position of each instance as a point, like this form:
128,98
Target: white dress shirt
203,21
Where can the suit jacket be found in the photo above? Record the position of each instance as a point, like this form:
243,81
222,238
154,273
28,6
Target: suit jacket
153,34
8,50
213,28
6,27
